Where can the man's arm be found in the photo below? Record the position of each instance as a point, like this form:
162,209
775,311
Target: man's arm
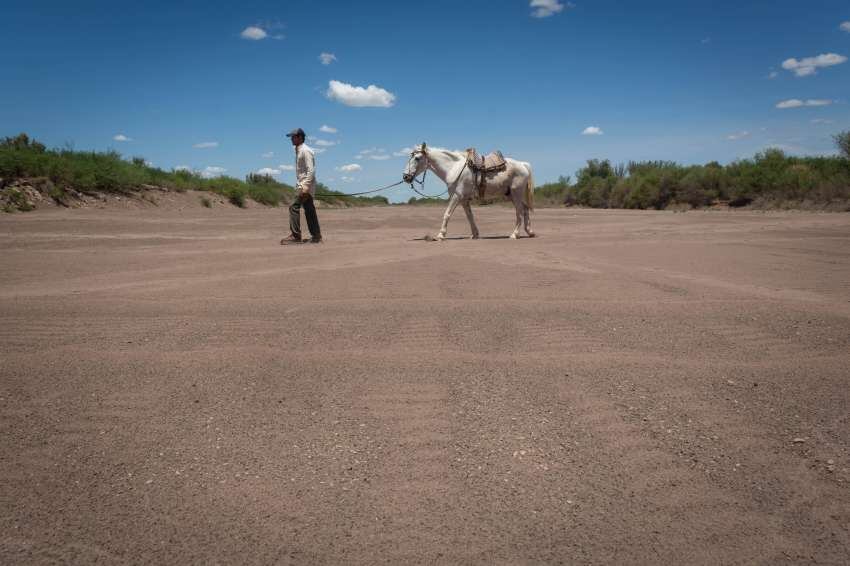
310,163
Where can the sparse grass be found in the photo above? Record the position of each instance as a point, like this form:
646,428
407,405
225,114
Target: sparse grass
206,202
18,201
57,193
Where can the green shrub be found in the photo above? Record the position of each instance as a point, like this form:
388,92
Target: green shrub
553,193
267,194
237,198
769,177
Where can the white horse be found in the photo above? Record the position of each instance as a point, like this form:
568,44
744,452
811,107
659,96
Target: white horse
515,181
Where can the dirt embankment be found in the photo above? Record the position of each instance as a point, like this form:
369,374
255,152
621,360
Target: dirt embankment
27,194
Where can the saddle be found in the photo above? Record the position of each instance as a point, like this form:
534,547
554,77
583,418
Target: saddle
481,165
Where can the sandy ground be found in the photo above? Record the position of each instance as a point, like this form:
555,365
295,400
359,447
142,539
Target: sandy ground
630,387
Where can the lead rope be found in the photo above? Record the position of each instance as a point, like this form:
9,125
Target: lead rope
332,196
415,180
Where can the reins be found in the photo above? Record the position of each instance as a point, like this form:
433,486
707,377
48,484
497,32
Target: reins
422,184
411,183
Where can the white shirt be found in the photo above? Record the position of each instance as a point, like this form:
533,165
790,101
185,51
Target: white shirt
305,169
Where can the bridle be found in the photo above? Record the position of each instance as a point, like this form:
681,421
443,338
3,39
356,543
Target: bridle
410,179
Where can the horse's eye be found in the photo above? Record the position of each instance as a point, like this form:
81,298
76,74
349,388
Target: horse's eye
418,157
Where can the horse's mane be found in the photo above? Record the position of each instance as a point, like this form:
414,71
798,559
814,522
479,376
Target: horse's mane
455,154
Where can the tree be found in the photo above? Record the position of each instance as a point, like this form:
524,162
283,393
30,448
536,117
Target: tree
842,140
22,141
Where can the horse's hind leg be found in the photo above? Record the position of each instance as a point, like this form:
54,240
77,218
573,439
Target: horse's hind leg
467,208
526,218
516,196
448,214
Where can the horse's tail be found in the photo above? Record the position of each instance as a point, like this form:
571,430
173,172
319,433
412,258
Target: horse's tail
529,189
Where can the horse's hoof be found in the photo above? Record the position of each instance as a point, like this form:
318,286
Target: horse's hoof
532,235
475,236
513,236
439,238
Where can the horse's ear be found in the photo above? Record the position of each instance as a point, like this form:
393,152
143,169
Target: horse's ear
423,146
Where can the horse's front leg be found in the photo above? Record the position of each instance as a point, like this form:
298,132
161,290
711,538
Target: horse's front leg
448,214
467,208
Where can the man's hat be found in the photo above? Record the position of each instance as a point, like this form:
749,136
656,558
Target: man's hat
296,132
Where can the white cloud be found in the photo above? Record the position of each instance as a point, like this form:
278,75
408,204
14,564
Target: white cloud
212,171
323,143
350,168
546,8
773,74
822,121
254,32
738,136
592,131
268,171
286,167
403,152
121,138
319,149
809,65
327,129
347,179
327,58
796,103
183,168
845,26
351,95
205,145
268,154
378,154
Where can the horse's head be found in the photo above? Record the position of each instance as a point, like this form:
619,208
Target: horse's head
417,163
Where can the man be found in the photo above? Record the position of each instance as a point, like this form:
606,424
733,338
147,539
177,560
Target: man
305,188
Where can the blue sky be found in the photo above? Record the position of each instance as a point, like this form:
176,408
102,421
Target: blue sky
214,85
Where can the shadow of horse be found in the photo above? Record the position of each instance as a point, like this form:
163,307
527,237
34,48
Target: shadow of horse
429,238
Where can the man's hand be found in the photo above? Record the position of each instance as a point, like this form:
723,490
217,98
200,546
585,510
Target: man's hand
303,194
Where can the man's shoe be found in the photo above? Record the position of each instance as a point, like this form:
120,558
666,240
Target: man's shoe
291,239
315,240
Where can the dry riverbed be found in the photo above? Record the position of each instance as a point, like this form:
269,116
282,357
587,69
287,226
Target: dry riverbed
630,387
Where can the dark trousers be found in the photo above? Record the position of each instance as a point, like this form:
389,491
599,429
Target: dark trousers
309,212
